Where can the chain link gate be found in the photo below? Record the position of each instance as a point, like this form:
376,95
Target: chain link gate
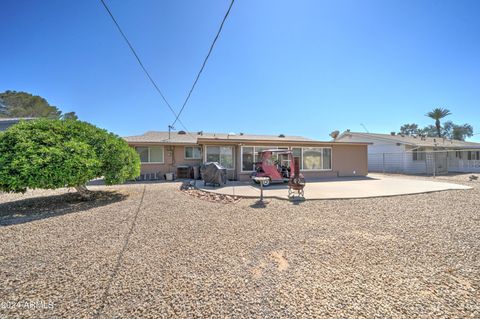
431,163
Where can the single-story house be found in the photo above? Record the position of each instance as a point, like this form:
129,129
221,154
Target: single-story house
7,122
416,153
164,152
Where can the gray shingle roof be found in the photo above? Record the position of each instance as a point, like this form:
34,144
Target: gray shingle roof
15,119
5,123
415,140
192,138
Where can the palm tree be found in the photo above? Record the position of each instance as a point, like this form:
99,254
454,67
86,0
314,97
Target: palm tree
437,114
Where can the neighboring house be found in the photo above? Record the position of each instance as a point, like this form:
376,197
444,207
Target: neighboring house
416,154
164,152
7,122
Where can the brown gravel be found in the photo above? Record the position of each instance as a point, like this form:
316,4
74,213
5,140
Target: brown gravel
415,256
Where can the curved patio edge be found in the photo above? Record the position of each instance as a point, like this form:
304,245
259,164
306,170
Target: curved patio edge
341,188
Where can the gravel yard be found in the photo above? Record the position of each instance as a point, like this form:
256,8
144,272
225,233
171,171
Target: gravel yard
150,250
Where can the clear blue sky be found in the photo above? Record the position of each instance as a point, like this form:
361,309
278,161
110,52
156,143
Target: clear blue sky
292,67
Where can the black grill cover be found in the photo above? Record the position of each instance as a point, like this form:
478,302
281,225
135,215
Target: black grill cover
213,173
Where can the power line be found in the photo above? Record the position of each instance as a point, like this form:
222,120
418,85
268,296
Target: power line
141,63
204,62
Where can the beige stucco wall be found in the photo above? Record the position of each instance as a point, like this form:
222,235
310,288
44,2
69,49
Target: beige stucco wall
349,158
346,159
174,155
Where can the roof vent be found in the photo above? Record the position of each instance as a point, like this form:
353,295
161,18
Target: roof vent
182,132
281,135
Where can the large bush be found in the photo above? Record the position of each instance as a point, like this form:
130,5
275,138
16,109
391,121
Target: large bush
57,153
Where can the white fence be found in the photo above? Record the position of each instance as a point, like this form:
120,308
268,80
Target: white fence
430,162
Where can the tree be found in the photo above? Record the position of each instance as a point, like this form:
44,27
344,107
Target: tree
409,129
437,114
51,154
69,116
23,104
429,130
449,130
457,132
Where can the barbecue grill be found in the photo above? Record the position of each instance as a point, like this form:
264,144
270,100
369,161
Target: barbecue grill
213,173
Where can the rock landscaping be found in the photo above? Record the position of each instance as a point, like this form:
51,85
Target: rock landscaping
158,252
188,189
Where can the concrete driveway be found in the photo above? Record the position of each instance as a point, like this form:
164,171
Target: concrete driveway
375,185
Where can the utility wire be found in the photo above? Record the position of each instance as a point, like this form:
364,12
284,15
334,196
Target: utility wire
204,62
141,64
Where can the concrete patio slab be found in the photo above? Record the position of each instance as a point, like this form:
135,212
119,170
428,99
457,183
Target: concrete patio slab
375,185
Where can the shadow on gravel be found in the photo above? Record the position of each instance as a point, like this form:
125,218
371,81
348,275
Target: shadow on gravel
30,209
260,204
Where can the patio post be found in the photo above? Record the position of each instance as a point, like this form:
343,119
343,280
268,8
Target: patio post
261,192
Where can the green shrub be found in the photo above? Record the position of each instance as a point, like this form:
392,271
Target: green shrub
58,153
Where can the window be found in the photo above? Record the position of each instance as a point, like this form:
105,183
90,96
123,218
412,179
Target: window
262,148
418,154
213,154
312,158
221,154
153,154
143,153
317,158
297,155
283,159
247,158
193,152
327,158
472,155
156,154
250,156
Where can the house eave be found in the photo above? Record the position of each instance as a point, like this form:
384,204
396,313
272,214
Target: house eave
273,142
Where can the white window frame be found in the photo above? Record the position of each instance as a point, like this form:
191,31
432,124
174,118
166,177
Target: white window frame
319,169
192,158
233,154
241,158
148,147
